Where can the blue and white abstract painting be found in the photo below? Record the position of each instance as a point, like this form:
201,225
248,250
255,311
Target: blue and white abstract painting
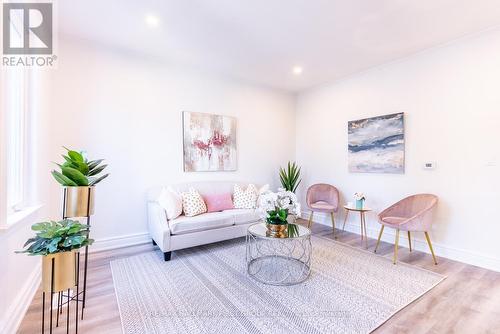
377,144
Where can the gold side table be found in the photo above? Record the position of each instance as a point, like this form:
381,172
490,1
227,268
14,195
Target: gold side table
362,220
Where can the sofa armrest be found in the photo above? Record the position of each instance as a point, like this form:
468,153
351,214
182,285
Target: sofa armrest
159,229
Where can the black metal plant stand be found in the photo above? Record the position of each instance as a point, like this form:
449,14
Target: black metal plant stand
66,299
86,254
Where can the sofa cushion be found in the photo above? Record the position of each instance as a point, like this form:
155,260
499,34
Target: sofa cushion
171,201
245,199
244,216
205,221
218,202
192,203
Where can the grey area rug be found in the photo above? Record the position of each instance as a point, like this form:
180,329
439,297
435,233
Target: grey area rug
206,290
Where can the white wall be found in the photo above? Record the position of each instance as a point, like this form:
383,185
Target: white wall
128,110
450,96
20,273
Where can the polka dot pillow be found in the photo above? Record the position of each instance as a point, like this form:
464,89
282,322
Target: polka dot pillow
192,203
245,199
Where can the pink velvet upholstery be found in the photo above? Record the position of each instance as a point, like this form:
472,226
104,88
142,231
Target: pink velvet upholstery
413,213
218,202
322,198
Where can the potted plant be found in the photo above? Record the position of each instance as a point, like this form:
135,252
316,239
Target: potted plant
289,177
276,207
78,176
360,200
58,241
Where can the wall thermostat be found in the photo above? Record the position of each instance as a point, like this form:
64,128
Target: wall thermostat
429,165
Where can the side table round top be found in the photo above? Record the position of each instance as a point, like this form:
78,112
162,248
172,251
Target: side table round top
353,208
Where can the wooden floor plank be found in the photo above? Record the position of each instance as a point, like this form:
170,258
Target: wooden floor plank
466,302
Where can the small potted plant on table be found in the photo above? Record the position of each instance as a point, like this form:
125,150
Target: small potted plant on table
57,242
360,200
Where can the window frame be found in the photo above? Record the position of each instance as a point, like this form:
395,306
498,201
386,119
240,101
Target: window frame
27,206
21,140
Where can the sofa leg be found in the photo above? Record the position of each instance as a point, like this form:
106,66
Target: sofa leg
167,256
154,242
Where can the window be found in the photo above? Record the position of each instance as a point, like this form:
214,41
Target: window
15,93
17,146
15,127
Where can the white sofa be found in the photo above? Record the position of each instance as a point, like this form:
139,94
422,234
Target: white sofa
184,232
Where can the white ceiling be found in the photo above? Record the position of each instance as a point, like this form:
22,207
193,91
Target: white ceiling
261,40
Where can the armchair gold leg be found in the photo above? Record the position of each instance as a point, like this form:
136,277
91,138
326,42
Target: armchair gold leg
310,219
396,247
430,246
379,236
409,240
333,223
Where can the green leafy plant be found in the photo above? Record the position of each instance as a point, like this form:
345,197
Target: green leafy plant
78,171
278,206
289,177
293,230
57,236
277,216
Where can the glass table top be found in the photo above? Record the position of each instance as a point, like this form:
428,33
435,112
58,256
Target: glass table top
294,231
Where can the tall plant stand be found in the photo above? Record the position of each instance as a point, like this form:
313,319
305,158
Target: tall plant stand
78,202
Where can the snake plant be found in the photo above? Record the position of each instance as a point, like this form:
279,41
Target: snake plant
77,170
289,177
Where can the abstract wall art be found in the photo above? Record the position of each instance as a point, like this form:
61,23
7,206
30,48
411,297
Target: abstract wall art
209,142
377,144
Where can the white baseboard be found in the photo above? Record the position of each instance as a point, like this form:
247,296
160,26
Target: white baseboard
441,250
15,314
10,321
104,244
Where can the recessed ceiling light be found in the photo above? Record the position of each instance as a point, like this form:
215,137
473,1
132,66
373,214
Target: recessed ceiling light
297,70
152,21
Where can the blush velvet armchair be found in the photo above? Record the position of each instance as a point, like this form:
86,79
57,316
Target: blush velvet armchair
324,198
411,214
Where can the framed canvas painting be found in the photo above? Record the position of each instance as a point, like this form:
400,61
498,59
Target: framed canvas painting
377,144
209,142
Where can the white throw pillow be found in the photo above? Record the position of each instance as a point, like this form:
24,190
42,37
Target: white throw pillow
245,199
192,203
171,201
264,189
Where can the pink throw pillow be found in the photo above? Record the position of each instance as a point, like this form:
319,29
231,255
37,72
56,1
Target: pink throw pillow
218,202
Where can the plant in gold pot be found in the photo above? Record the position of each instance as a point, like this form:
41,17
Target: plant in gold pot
275,208
57,242
78,176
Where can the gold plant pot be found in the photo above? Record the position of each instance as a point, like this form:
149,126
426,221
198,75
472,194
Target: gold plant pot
277,230
64,271
78,202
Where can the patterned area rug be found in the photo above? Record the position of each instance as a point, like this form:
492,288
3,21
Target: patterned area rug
206,290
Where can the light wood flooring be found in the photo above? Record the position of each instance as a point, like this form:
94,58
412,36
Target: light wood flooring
468,301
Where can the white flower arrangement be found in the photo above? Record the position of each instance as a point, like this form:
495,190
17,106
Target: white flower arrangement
275,207
359,196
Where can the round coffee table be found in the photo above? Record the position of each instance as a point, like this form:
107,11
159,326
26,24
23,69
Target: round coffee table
278,261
